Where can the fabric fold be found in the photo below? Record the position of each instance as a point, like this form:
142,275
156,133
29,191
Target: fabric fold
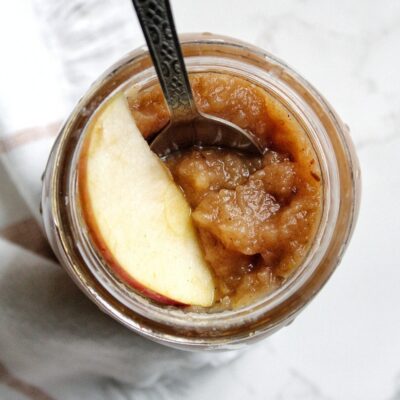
54,343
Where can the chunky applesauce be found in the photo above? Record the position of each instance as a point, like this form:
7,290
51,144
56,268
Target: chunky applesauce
256,216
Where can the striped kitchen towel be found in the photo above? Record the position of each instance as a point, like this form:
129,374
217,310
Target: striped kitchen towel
54,343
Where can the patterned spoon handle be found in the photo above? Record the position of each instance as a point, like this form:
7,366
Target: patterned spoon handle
155,17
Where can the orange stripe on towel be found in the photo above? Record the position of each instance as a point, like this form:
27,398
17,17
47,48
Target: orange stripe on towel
29,235
30,391
25,136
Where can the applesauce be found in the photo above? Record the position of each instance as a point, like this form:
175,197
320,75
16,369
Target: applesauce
187,328
255,215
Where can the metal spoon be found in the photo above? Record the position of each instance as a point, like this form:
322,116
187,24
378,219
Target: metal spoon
188,126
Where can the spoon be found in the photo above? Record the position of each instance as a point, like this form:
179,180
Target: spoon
188,126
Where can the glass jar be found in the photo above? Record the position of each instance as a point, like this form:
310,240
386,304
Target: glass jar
176,327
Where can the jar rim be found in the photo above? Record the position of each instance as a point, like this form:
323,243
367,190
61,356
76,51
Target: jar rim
220,324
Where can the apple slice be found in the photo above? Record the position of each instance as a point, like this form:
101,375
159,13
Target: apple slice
137,215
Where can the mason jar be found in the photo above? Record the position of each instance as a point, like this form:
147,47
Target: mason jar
174,326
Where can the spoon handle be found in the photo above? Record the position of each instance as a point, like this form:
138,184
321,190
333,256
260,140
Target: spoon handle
155,17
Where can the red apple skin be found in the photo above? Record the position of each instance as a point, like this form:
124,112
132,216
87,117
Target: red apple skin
100,243
159,298
104,251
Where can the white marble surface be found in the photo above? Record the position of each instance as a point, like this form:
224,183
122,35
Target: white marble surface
346,344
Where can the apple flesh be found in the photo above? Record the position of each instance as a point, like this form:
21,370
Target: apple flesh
137,215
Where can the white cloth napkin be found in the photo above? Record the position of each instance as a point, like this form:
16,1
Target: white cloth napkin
54,343
344,345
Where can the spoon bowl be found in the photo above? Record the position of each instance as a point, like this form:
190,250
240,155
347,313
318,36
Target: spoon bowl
203,131
188,126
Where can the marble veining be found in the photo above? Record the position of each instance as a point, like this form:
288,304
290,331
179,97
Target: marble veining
345,345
